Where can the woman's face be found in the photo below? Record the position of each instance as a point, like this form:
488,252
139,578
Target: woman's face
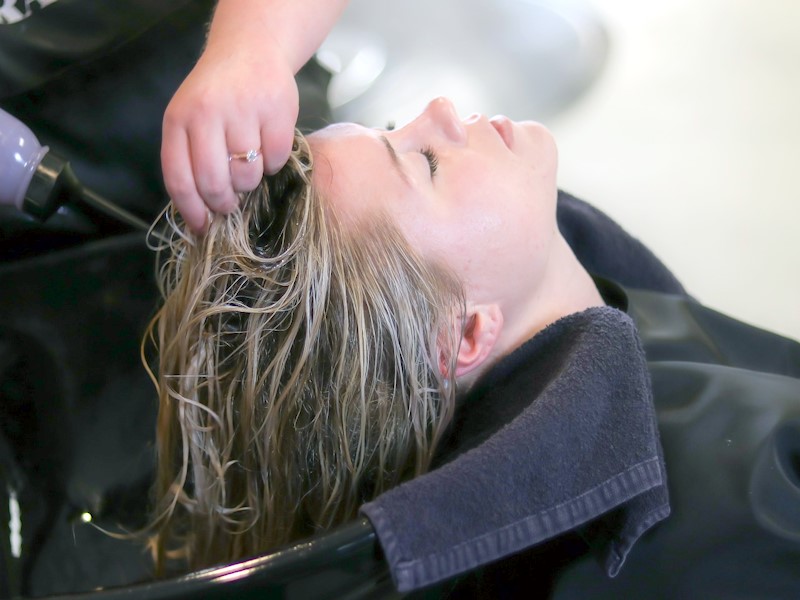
476,194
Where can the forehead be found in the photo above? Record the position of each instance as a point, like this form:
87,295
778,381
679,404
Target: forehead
353,170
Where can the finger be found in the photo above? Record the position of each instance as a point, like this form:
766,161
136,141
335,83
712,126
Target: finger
278,143
246,171
277,135
210,165
179,178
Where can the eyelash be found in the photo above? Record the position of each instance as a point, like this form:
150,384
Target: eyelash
433,159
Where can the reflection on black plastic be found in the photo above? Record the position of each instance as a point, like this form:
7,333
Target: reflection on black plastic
775,482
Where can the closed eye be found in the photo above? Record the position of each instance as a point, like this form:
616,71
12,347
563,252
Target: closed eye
432,158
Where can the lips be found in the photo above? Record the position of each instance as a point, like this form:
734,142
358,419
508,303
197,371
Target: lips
505,127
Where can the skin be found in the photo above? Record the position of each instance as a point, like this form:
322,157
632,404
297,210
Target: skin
488,212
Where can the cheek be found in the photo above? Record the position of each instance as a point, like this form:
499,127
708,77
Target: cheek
491,216
484,224
511,230
471,241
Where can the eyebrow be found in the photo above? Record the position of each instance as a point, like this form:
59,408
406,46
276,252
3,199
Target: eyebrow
394,158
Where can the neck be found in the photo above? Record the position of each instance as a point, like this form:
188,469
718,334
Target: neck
566,288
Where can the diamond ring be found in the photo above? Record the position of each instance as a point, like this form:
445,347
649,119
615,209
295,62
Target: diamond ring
248,157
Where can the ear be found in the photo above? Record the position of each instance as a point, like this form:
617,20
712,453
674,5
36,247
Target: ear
480,331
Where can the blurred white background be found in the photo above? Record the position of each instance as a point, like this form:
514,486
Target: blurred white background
679,118
691,139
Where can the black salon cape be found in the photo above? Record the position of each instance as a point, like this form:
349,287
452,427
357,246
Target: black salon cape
727,401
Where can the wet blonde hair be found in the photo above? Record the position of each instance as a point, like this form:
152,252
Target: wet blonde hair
299,370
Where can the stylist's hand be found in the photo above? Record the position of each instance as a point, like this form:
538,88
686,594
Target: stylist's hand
240,96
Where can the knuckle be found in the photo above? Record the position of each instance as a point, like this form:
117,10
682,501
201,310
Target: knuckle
179,188
215,192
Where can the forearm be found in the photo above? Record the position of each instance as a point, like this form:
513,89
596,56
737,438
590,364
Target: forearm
298,27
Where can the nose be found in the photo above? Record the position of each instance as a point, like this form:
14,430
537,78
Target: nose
440,115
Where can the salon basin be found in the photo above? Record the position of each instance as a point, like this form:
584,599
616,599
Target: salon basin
527,59
343,563
76,446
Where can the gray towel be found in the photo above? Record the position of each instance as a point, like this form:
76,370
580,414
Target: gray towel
557,435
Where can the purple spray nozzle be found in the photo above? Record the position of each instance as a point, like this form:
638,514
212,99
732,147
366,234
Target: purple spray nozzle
38,182
20,155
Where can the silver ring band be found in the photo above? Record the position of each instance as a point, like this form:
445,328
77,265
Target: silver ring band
248,157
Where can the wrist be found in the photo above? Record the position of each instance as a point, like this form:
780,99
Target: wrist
290,30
